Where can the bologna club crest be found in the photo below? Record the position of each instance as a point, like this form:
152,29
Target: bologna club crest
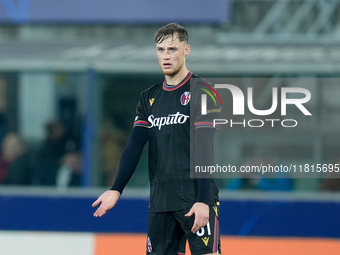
185,98
148,245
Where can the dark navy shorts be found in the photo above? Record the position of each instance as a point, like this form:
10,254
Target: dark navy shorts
169,231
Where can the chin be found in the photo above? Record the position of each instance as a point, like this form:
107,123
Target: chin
169,72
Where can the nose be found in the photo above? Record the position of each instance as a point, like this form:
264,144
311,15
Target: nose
166,55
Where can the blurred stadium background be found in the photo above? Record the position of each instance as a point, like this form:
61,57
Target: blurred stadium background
70,78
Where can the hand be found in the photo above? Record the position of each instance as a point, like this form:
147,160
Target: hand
201,211
107,201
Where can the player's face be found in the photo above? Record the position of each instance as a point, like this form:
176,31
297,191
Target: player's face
171,55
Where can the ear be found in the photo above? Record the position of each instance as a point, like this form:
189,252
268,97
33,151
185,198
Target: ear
187,50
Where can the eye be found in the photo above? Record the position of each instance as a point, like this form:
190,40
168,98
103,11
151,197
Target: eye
172,50
160,50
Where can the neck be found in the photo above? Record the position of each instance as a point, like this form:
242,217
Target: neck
177,78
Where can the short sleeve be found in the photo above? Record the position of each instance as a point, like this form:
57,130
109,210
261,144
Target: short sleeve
141,119
207,104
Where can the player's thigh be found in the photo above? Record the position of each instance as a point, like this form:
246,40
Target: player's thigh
165,235
207,239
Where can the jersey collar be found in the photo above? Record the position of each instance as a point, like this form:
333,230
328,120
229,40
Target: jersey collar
171,88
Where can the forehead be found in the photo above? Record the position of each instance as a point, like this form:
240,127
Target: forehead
171,41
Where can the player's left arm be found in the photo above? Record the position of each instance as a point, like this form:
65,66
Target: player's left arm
205,196
203,147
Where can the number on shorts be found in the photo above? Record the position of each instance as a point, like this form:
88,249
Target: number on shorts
201,232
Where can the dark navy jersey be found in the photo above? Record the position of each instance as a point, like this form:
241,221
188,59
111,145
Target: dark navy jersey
165,111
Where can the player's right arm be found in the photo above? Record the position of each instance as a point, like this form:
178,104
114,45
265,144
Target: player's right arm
127,165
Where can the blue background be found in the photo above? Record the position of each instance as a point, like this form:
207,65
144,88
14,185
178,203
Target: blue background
278,218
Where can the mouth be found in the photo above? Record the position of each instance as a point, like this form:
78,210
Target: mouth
167,65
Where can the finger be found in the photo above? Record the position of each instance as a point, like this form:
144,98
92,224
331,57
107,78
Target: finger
190,213
199,223
96,213
195,227
96,203
100,212
204,221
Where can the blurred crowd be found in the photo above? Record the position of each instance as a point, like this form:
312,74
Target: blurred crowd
56,161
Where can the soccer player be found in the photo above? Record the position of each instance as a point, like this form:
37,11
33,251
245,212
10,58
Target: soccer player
168,115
